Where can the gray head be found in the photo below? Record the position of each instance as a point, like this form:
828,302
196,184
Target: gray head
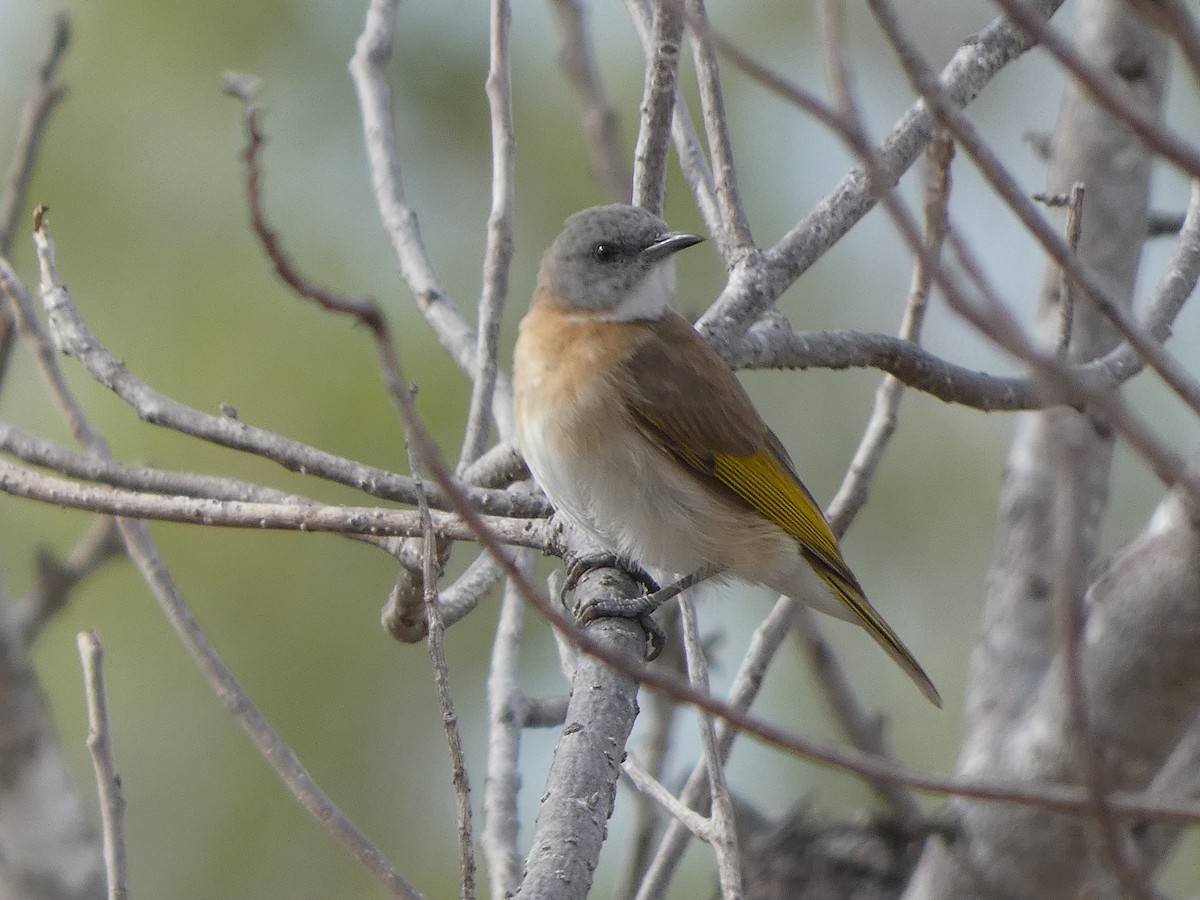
615,262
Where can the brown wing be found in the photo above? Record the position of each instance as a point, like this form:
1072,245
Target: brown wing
675,379
688,402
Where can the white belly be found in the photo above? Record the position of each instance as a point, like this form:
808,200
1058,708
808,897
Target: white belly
646,507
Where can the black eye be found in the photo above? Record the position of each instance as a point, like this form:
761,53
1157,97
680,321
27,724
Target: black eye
604,253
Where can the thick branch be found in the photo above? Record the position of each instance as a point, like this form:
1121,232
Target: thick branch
581,786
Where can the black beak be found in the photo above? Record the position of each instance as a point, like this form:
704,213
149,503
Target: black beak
669,243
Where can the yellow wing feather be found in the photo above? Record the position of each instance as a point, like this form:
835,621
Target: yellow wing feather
768,484
731,444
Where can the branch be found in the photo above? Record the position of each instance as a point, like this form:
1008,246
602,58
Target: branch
368,520
139,545
600,120
1101,88
694,166
724,831
498,255
502,782
441,678
72,335
757,283
658,107
733,237
58,578
572,822
372,52
1016,682
108,782
35,116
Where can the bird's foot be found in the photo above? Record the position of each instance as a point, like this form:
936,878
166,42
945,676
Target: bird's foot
580,564
639,608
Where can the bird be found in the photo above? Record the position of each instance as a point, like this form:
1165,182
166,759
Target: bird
641,434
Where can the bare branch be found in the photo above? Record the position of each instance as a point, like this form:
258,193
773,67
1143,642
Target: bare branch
430,573
498,255
506,717
586,763
724,831
48,838
73,335
372,52
371,520
695,168
852,495
1103,89
764,643
733,238
658,107
139,545
600,120
754,286
108,782
57,578
35,116
1145,84
1070,555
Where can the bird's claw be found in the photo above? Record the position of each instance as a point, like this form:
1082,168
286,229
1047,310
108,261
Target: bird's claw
639,608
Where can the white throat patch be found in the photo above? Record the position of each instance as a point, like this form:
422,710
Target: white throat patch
650,297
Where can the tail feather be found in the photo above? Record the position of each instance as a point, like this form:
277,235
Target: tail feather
852,596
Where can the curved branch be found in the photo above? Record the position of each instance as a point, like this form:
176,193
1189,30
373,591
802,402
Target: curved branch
757,283
74,337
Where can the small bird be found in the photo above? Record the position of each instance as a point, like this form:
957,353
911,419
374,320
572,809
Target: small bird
642,435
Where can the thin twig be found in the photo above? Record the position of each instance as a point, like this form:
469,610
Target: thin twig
108,781
431,571
724,830
139,545
47,454
369,520
372,52
734,238
772,344
1183,28
924,79
506,716
228,431
692,162
656,727
764,643
1099,85
35,116
600,120
498,255
852,494
865,731
58,578
45,352
650,787
755,286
